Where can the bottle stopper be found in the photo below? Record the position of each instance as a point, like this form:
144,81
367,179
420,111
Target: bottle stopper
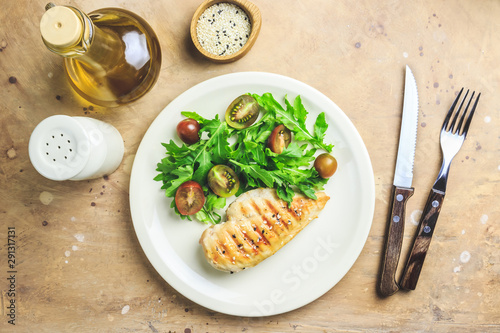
60,26
75,148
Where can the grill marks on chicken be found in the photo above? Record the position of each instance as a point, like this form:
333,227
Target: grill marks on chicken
258,224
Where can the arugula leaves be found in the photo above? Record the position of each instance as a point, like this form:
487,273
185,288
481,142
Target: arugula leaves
294,117
254,163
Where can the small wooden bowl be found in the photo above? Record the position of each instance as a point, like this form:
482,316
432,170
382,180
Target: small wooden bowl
253,14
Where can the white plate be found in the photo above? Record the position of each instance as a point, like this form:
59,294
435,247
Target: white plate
304,269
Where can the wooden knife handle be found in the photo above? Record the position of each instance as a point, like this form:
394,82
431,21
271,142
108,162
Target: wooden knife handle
394,240
422,240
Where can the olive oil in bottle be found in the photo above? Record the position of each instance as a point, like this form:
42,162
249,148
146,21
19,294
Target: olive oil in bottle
111,56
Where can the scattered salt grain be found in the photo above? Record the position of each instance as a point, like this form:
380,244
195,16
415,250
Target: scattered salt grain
465,257
79,237
125,309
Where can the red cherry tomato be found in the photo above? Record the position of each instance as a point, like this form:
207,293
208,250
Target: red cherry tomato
188,130
326,165
189,198
279,139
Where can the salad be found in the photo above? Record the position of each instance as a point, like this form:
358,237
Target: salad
259,143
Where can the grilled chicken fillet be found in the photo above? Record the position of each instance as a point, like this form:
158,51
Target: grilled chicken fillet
258,224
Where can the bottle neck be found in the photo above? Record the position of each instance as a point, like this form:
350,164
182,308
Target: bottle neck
88,43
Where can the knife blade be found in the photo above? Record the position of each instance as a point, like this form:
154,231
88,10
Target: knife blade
401,189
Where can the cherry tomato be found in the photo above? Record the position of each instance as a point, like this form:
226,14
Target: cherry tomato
242,112
326,165
223,181
279,139
189,198
187,130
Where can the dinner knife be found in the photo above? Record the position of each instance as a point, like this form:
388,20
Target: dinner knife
401,189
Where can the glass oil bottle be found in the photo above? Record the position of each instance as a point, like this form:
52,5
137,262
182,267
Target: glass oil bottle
111,56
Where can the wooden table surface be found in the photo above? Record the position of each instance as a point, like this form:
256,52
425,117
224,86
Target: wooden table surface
79,265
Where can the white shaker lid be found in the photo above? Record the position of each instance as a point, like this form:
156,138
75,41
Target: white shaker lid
59,147
60,26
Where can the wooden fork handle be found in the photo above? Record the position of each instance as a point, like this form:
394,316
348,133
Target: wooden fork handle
394,240
422,240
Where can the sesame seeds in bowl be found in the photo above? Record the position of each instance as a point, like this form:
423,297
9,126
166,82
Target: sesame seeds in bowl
224,31
231,26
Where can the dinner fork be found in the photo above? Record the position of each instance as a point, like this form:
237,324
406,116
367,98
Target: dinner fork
452,137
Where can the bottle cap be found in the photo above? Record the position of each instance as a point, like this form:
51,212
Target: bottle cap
60,26
75,148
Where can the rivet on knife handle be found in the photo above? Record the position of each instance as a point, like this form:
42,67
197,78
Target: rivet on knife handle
388,285
422,240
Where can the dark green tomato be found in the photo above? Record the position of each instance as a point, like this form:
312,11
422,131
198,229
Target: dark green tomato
242,112
279,139
326,165
223,181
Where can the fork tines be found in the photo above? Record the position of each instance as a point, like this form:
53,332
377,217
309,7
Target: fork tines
458,129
